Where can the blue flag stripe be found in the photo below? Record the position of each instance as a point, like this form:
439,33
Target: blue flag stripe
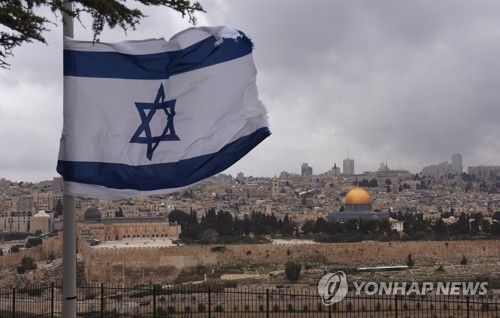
157,66
163,175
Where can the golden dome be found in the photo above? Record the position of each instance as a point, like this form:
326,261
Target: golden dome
358,196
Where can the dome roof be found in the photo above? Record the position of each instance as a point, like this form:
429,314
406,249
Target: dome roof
358,196
92,213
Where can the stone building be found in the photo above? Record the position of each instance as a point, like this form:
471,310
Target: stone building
41,222
94,226
15,221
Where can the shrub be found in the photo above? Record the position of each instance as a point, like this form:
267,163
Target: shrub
27,264
485,307
463,261
171,309
320,307
292,270
409,261
348,307
201,307
219,308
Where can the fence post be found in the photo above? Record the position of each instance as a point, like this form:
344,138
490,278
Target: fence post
13,303
154,301
330,311
52,300
396,305
209,303
468,307
267,303
102,300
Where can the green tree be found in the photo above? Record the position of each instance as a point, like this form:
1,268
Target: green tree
193,217
463,224
463,261
485,226
209,236
178,216
409,261
496,216
308,227
22,25
440,227
320,226
119,213
27,264
59,206
292,270
495,229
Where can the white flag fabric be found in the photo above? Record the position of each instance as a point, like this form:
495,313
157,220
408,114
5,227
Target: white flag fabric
155,116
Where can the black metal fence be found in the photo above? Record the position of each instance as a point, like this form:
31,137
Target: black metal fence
232,301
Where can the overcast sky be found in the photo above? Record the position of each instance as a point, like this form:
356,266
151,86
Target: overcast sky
410,81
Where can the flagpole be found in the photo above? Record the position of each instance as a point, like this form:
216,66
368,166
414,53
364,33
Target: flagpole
69,219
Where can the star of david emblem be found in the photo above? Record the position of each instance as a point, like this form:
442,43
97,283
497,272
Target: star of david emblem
147,112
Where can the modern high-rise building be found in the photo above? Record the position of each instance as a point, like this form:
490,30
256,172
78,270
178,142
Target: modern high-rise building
306,170
348,167
456,163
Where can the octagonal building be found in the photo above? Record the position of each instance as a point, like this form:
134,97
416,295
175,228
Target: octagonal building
357,205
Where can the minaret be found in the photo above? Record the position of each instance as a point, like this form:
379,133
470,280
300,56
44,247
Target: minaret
275,187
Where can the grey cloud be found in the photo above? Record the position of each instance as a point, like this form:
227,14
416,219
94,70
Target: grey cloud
415,81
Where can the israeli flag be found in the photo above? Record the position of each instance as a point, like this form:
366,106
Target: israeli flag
155,116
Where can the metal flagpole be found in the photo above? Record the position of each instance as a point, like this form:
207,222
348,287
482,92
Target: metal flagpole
69,220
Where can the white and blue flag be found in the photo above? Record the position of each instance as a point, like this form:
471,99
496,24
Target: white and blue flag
155,116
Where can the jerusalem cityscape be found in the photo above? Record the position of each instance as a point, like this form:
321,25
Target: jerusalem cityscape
440,224
277,159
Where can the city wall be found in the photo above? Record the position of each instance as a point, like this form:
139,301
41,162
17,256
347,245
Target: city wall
149,264
50,249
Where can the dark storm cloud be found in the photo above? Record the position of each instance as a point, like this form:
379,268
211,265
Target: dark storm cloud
412,81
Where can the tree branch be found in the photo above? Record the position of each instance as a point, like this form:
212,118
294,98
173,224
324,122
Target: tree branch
25,26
